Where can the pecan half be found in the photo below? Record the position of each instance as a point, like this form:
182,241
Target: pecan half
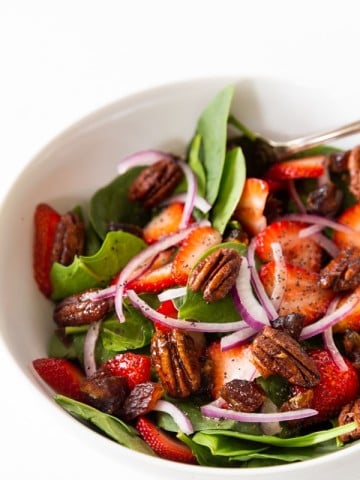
242,395
155,183
350,413
176,361
324,200
69,239
79,309
276,352
216,274
342,272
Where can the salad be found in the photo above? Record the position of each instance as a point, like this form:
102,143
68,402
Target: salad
206,308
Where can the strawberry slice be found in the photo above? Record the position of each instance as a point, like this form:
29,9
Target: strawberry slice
350,217
166,308
196,243
336,387
308,167
302,291
301,252
231,364
61,375
351,321
250,209
135,367
46,220
166,222
154,281
162,443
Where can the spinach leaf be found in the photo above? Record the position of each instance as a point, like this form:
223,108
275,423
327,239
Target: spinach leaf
203,454
227,446
111,204
212,127
231,186
194,307
310,439
196,165
96,270
112,426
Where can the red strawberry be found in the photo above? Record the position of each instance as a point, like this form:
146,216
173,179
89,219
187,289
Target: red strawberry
135,367
196,243
350,217
61,375
162,443
301,252
166,308
227,365
166,222
250,209
309,167
302,291
336,387
154,281
46,220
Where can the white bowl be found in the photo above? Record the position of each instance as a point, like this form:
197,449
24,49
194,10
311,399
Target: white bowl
84,158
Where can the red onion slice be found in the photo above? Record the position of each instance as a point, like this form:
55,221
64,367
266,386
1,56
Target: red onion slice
245,302
143,158
172,293
177,415
295,196
89,348
330,319
326,244
199,202
257,284
213,410
191,326
330,343
237,338
280,275
308,231
190,195
142,257
319,220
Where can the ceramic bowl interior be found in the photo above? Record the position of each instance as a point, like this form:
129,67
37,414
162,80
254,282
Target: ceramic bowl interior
83,158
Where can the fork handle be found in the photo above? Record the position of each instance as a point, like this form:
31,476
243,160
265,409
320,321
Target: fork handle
291,147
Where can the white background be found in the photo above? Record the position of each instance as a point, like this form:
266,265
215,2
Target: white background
60,60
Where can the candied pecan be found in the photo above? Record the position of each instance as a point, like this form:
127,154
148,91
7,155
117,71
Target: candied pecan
79,309
324,200
276,352
106,392
176,361
69,239
351,343
338,161
156,182
348,414
141,400
342,272
242,395
354,171
216,274
292,324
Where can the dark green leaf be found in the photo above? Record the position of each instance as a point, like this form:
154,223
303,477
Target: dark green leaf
111,204
113,427
196,165
212,127
231,186
96,270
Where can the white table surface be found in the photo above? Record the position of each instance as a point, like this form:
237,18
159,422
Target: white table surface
60,60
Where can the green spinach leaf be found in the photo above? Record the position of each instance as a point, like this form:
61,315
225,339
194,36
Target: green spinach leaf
231,186
196,165
111,204
96,270
212,127
112,426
